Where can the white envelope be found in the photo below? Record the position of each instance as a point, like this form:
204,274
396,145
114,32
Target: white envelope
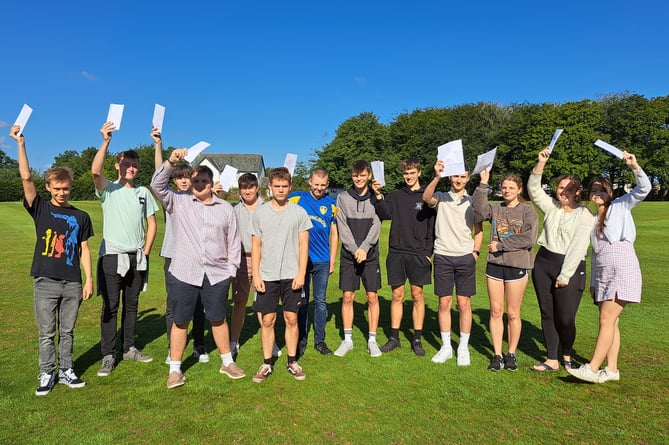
454,161
484,161
610,148
290,162
377,171
115,115
554,139
196,150
227,177
23,117
158,117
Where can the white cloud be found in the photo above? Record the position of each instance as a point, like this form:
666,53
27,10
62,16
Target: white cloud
88,76
4,124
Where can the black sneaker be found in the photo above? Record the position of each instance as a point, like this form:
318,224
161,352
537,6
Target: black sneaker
417,347
69,378
496,363
392,343
322,348
46,384
510,362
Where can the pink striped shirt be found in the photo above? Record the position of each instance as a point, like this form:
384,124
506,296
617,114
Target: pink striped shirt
205,236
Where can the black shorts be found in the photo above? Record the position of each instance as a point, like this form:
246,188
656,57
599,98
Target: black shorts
350,274
458,271
400,266
505,273
183,297
268,301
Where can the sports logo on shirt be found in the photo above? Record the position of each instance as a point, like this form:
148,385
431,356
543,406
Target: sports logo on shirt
323,209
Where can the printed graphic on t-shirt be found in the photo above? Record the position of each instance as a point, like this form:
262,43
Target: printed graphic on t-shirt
55,244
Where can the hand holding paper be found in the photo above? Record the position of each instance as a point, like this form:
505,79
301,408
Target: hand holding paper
115,115
23,117
454,161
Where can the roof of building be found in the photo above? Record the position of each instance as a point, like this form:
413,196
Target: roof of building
242,162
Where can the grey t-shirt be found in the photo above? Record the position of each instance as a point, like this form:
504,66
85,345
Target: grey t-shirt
279,232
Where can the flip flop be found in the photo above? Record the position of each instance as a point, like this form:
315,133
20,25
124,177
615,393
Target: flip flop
543,367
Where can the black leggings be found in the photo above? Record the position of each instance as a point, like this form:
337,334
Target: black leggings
558,305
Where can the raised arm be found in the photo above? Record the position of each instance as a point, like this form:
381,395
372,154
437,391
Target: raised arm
29,189
428,194
97,169
157,148
537,195
643,185
482,209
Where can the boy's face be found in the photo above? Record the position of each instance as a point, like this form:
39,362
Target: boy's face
458,182
60,192
127,168
182,183
201,186
280,189
249,194
360,180
318,185
411,176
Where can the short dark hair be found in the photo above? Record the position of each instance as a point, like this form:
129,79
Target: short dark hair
247,181
203,169
182,171
410,163
128,154
280,173
360,166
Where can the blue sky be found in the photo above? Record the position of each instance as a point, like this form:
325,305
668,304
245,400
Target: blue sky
280,77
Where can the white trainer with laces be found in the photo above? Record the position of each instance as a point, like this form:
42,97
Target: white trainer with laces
343,348
585,373
444,354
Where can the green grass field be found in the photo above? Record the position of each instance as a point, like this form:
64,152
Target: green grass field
396,399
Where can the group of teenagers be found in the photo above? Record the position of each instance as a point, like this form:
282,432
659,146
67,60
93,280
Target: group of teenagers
285,249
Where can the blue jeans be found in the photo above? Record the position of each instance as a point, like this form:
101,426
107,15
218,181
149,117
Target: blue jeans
318,273
56,301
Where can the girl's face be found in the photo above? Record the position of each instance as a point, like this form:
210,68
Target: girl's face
567,192
598,194
510,191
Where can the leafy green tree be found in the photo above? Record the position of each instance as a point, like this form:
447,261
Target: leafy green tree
7,162
360,137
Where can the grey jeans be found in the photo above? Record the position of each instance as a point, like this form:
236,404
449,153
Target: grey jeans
56,308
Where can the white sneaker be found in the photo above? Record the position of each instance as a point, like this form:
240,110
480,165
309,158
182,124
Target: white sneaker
373,348
200,354
276,351
606,375
584,373
463,357
343,348
168,359
444,354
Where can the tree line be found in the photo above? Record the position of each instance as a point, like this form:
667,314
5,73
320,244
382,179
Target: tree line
629,121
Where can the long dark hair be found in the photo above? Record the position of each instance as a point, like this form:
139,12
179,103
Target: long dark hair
604,183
